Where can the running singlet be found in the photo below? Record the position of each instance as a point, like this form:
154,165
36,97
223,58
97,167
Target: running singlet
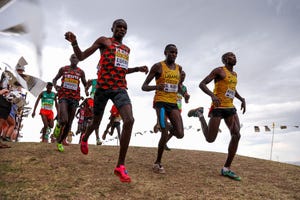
81,115
47,100
113,66
93,90
70,83
171,78
225,89
88,108
115,113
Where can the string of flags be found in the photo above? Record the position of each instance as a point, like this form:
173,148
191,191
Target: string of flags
152,132
267,129
257,129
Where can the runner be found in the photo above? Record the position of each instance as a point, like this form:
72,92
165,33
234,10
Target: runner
167,77
68,96
48,99
222,107
111,84
114,123
181,94
93,83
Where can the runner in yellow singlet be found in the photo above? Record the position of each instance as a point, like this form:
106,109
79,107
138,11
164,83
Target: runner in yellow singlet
167,75
222,107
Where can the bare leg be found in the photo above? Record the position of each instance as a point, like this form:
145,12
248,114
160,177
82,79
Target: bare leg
128,121
106,131
44,130
95,124
67,116
161,145
234,126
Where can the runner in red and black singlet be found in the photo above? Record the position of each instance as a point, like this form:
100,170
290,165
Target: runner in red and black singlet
111,84
68,96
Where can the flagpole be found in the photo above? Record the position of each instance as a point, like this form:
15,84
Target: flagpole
273,126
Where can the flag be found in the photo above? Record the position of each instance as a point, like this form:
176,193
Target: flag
267,129
17,29
22,62
256,129
283,127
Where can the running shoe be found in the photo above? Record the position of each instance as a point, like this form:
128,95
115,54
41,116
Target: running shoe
159,169
56,131
98,142
195,112
230,174
122,173
6,139
2,145
60,147
84,147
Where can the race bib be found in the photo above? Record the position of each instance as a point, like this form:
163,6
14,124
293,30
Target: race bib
47,106
121,59
71,84
171,87
230,93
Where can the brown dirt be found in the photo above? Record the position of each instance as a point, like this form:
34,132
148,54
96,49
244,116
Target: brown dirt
39,171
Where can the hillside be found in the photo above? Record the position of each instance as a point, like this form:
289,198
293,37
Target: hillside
39,171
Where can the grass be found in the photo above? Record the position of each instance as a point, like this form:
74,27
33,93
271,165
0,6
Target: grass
39,171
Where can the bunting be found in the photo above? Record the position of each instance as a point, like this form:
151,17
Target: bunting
268,129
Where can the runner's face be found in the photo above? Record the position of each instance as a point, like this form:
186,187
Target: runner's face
231,59
74,60
119,29
171,54
49,88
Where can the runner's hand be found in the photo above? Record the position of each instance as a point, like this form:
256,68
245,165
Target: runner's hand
70,36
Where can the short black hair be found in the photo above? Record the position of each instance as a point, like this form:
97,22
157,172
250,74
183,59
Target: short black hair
170,45
49,84
224,57
118,20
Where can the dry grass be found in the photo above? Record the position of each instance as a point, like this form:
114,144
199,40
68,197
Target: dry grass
39,171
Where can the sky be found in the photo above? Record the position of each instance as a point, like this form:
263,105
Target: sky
264,35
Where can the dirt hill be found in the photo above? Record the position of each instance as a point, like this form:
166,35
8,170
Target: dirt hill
39,171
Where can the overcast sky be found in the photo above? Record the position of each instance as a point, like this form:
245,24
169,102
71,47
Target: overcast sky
264,35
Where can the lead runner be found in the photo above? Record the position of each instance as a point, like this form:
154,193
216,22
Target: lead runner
111,84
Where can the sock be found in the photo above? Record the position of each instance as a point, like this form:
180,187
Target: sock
225,169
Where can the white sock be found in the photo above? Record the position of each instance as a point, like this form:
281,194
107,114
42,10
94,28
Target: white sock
225,169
